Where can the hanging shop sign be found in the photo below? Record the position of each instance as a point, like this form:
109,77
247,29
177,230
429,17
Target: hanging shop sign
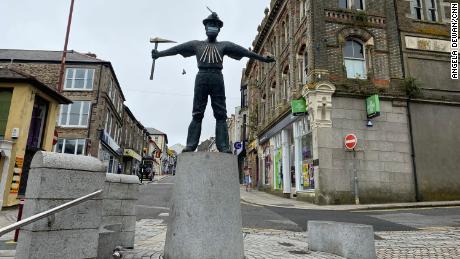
299,107
373,106
132,153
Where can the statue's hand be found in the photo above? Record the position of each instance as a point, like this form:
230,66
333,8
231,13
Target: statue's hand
269,59
155,54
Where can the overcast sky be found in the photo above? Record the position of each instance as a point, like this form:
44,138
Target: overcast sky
119,31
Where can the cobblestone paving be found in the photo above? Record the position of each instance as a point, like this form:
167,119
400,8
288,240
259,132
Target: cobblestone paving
443,242
258,244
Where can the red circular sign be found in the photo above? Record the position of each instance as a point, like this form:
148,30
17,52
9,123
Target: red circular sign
55,137
351,141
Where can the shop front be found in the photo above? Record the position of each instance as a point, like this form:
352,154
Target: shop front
303,157
110,153
131,161
278,149
28,110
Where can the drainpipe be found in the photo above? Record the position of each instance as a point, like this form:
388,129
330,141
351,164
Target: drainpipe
409,117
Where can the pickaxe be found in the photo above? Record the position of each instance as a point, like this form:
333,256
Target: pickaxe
156,41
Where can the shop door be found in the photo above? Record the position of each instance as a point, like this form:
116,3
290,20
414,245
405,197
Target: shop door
34,139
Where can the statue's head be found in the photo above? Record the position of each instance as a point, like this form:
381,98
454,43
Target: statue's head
212,25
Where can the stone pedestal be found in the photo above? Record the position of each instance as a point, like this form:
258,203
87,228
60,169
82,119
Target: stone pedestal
55,179
205,216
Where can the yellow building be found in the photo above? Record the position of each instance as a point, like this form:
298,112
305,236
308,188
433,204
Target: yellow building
28,110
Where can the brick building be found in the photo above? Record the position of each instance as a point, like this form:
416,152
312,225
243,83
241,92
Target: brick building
334,54
93,123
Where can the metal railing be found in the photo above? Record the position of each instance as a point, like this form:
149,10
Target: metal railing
47,213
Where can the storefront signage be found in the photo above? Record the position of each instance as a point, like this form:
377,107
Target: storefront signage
277,128
427,44
108,141
351,141
299,107
373,106
133,154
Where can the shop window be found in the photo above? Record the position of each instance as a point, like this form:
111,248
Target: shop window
70,146
354,59
75,114
5,103
79,79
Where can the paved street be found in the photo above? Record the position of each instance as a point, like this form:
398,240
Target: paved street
279,231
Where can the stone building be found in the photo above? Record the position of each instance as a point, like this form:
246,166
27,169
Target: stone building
93,123
134,140
333,55
434,98
159,149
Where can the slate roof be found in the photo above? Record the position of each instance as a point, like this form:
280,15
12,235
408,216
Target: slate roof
153,131
12,75
46,55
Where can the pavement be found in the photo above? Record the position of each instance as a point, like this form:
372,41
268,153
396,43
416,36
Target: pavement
256,197
419,241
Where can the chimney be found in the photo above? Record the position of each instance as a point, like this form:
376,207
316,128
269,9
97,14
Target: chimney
89,54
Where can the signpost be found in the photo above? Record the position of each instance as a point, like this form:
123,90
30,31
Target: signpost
351,141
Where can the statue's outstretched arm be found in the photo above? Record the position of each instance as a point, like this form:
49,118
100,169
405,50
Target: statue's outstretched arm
237,52
185,49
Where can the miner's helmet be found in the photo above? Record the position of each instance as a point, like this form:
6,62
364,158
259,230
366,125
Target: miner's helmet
213,18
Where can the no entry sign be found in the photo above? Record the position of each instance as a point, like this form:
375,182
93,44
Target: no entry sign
350,141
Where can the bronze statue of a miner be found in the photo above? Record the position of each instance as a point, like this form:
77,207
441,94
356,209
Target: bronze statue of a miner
209,80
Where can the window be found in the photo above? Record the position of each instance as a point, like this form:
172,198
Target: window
75,114
5,103
359,4
244,97
70,146
431,10
354,59
79,79
352,4
416,9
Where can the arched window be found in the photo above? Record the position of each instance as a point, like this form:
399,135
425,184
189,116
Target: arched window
302,59
354,59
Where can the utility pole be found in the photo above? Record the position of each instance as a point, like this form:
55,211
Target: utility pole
64,53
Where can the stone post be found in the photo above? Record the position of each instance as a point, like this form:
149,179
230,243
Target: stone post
205,219
120,197
55,179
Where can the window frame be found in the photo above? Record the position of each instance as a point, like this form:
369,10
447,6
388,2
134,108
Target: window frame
431,10
67,125
64,140
364,59
72,87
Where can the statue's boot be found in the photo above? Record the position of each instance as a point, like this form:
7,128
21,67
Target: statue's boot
222,136
193,137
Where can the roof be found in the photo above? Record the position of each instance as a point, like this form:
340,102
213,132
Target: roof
72,57
153,131
12,75
47,55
